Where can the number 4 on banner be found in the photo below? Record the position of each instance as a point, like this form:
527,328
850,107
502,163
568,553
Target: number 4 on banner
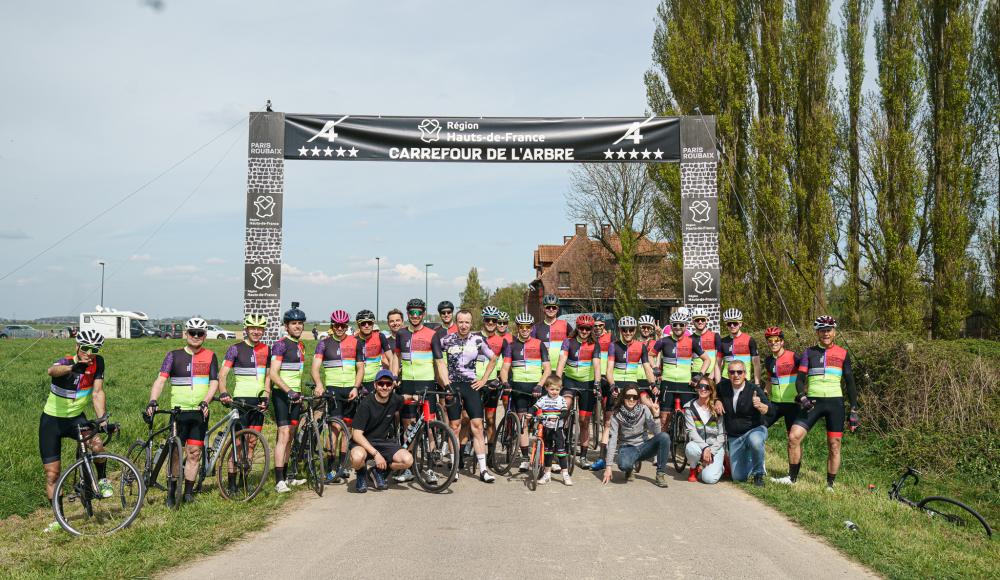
328,130
634,132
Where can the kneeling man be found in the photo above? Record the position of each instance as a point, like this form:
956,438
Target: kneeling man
373,421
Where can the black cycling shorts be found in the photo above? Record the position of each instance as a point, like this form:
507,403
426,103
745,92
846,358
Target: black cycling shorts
584,390
339,406
522,396
411,409
790,412
250,419
387,447
667,398
191,428
285,413
830,407
469,399
643,386
491,399
606,399
52,430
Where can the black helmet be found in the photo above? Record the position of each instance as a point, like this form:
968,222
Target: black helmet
445,305
416,304
294,314
365,315
550,300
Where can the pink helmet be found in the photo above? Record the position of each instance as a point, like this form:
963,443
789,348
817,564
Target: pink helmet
340,317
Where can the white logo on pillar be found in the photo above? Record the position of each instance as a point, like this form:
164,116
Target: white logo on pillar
328,131
699,211
262,277
430,130
702,282
264,205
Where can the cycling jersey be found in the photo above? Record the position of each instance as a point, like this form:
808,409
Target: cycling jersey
822,370
526,360
709,342
375,345
552,335
290,353
508,337
677,356
742,348
628,360
604,342
580,359
499,345
417,351
249,364
189,376
442,332
463,353
340,359
70,393
783,372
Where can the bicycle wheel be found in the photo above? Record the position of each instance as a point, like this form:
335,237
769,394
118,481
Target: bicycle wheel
249,458
435,456
572,438
334,439
83,511
504,450
173,466
596,424
314,462
141,456
537,447
678,441
954,511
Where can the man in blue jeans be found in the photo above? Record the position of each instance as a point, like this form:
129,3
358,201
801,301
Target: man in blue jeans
744,406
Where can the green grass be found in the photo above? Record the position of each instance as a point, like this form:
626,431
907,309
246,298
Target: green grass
159,538
894,540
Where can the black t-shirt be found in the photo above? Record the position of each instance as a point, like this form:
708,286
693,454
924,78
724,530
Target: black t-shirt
374,419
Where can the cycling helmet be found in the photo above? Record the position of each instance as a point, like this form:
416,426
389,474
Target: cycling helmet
699,313
257,320
774,331
339,317
585,320
365,316
294,314
825,322
647,320
195,324
504,318
416,304
90,338
524,318
732,315
445,305
626,322
491,312
550,300
679,317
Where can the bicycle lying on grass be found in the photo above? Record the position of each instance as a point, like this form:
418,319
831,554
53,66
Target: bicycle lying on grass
938,506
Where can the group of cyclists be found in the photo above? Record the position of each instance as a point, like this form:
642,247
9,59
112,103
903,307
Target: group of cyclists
372,381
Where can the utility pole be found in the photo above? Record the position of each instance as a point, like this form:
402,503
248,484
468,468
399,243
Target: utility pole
426,267
102,282
378,274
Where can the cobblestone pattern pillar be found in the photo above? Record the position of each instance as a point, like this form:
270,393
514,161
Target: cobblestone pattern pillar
699,218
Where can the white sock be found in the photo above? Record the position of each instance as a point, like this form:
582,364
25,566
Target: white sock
481,458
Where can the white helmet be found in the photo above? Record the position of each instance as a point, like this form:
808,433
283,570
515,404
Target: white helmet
647,320
732,315
90,338
679,316
699,312
626,322
524,318
195,324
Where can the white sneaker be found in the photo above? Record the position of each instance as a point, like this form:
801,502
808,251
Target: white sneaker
783,480
52,527
431,477
567,479
523,467
556,468
404,477
296,482
282,487
829,489
545,478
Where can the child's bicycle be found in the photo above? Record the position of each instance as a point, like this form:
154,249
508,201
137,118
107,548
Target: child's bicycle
947,508
536,450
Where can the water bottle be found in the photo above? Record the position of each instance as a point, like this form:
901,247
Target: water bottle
850,525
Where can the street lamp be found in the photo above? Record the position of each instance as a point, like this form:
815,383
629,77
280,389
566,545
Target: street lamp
426,266
378,273
102,282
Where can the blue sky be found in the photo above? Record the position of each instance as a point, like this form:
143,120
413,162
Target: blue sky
101,97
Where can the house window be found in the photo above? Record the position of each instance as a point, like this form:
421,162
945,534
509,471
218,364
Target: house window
564,279
601,280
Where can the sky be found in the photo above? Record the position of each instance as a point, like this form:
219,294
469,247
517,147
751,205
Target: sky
106,101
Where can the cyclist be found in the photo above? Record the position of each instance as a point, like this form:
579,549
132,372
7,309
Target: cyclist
371,438
824,373
552,331
603,338
579,370
395,321
501,347
649,334
781,368
377,349
739,346
446,310
676,352
417,358
193,372
709,342
527,368
338,368
249,360
76,380
287,361
464,349
626,359
503,322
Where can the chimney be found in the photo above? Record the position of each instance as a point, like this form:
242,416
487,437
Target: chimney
566,239
581,230
605,230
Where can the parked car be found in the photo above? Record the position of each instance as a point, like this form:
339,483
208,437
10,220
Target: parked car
171,330
20,331
219,333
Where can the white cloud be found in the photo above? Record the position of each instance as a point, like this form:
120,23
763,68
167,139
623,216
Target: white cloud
214,261
140,258
412,273
26,281
320,278
155,271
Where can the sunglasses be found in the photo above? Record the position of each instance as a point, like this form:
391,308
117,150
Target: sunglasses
366,323
443,312
90,349
415,312
628,330
775,340
551,307
677,325
583,328
598,326
502,323
339,326
524,327
696,320
489,321
702,387
383,384
631,397
196,333
734,323
737,373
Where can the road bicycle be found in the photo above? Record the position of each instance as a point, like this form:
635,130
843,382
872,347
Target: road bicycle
308,458
433,445
937,506
151,456
242,453
678,431
337,436
505,449
536,450
86,505
573,428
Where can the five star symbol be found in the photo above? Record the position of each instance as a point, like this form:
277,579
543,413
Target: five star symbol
328,152
632,153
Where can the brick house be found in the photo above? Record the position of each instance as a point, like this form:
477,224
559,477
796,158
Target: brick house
581,272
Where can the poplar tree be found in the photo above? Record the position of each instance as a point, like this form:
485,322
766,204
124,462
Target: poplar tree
474,297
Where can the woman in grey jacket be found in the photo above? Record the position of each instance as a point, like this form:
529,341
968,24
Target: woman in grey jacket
630,422
706,447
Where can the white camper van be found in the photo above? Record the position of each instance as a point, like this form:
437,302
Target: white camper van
117,324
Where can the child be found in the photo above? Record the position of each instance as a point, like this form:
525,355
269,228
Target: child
553,410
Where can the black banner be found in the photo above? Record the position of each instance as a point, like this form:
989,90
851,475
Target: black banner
486,139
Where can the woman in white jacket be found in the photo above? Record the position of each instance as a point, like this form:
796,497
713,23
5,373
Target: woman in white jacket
706,447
